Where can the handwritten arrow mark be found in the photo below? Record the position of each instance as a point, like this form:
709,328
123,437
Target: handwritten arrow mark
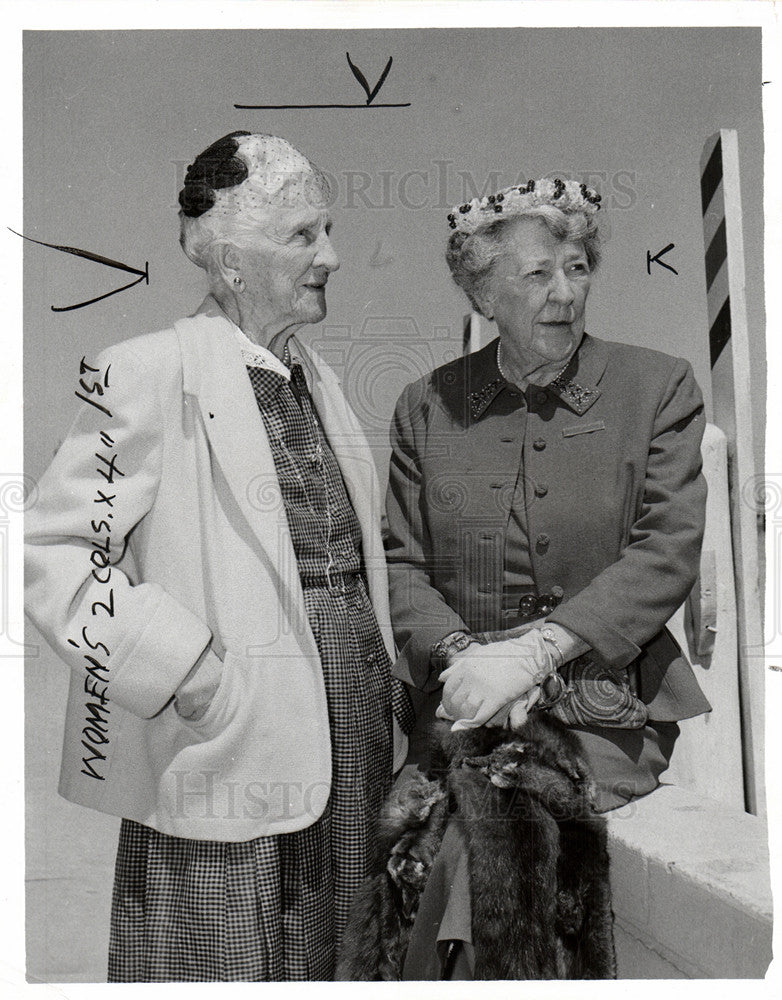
88,255
371,94
656,259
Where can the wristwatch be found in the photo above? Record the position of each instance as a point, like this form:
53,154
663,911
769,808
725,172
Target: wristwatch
550,636
454,642
553,686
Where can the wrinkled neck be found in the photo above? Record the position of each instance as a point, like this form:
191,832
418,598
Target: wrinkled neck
523,367
273,335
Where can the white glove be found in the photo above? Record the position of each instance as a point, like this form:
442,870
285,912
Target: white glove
480,681
512,716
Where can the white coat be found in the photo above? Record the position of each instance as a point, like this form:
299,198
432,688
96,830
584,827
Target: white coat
199,551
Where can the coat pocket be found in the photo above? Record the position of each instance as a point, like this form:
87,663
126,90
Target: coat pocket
213,719
250,767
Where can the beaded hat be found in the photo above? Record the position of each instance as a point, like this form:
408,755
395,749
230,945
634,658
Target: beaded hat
570,196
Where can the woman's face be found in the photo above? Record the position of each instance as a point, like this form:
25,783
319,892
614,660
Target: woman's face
537,292
286,263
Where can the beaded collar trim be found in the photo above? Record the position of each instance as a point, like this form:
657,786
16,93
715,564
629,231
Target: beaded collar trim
481,398
570,196
578,397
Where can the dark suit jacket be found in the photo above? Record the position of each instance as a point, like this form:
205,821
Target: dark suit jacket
615,508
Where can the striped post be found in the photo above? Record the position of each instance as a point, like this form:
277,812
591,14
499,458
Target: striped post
731,401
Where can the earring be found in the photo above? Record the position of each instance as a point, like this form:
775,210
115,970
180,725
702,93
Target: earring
239,283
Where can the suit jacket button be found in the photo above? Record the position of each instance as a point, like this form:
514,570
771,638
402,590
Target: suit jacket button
541,490
543,541
527,604
539,444
557,592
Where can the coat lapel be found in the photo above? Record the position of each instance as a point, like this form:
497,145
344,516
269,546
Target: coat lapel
484,381
215,376
577,386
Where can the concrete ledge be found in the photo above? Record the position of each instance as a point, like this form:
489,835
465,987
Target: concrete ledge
691,892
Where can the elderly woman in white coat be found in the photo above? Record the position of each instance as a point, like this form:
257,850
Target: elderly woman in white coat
205,556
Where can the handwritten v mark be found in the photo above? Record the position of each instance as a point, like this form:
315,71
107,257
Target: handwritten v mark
89,255
371,94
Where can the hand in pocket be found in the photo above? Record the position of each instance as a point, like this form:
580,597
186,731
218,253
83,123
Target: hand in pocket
194,695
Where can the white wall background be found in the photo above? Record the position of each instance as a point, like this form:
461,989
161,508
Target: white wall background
113,118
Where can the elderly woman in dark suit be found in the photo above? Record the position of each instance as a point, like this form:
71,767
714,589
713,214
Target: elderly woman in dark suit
545,512
205,556
551,478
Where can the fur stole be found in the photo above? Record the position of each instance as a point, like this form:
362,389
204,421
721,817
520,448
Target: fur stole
537,856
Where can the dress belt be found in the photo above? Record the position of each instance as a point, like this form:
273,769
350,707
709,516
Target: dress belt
341,582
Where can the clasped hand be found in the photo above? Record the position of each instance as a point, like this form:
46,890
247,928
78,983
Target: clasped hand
497,679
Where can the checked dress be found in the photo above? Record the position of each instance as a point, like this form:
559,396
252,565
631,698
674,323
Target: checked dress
275,908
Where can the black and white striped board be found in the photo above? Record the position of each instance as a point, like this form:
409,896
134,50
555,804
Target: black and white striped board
732,393
716,247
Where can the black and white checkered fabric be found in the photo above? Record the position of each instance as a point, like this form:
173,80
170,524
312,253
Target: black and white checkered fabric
300,448
275,908
197,911
319,512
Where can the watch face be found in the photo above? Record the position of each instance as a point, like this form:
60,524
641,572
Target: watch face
553,689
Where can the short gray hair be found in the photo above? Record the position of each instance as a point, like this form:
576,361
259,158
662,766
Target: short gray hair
471,256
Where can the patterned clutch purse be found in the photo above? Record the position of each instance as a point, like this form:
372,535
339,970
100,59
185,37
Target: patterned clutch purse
592,695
